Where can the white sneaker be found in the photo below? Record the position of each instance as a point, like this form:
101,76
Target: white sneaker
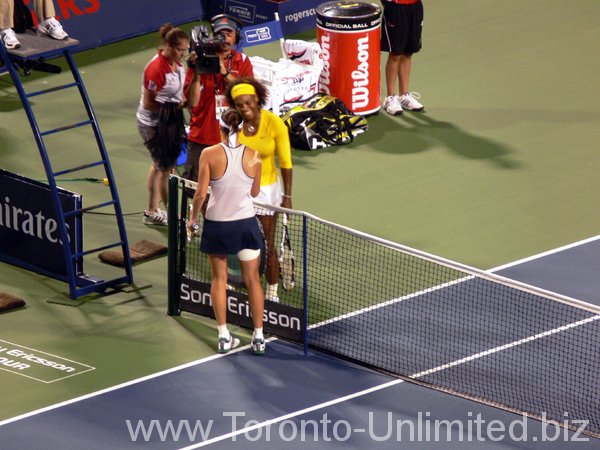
225,345
9,38
53,28
409,101
273,299
392,105
258,345
158,217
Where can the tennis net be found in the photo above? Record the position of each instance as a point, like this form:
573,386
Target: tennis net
428,320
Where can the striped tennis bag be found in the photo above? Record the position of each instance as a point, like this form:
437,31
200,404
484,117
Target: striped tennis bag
322,121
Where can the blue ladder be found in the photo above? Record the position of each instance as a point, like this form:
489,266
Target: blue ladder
33,54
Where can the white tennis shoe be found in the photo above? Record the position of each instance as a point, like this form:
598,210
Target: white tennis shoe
225,345
410,101
53,28
392,105
258,345
9,38
158,217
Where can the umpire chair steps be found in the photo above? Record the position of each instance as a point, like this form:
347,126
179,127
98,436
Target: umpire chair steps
34,52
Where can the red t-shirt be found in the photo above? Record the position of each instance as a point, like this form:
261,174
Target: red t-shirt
204,126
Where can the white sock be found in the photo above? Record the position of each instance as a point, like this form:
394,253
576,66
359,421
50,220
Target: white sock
223,331
271,290
258,333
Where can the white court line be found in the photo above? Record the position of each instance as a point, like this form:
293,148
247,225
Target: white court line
422,373
213,357
392,383
122,385
546,253
453,282
89,368
390,302
294,414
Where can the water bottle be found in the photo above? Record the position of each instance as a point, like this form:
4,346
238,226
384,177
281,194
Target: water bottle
192,231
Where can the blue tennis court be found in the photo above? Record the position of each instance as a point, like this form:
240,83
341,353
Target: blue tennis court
288,400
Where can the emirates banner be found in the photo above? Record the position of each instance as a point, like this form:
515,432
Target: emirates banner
29,235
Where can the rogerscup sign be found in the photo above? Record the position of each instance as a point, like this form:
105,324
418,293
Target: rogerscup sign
278,319
295,15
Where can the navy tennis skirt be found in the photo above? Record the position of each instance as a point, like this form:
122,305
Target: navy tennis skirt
228,238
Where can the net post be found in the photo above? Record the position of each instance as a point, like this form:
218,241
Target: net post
173,299
305,284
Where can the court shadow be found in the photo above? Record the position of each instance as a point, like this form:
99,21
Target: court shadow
113,296
294,380
8,145
504,118
9,97
204,332
10,103
390,135
413,133
303,157
419,132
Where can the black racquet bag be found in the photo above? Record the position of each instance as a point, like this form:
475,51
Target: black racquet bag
322,121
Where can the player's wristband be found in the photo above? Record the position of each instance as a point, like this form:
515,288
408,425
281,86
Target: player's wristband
288,196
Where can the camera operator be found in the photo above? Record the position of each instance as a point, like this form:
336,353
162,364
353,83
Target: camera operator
205,91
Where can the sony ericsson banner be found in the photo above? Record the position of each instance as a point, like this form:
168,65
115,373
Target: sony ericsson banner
29,235
279,320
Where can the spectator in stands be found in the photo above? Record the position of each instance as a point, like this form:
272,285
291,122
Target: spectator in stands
47,25
160,117
265,132
207,92
230,227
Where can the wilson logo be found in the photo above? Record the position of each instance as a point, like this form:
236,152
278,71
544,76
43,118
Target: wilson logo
324,78
360,76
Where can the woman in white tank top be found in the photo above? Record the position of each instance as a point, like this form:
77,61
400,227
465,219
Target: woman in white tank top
230,226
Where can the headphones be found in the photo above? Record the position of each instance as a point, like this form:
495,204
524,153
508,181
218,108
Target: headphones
234,21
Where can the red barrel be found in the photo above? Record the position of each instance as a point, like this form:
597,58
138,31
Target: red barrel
349,35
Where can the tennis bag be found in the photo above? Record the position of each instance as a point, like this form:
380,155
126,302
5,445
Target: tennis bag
322,121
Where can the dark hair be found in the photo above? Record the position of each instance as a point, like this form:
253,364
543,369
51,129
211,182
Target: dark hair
261,90
232,118
172,35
